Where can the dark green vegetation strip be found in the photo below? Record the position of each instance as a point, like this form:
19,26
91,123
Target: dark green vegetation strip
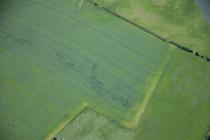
179,21
55,55
184,48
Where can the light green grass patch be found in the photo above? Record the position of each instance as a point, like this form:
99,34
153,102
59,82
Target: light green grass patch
179,108
90,125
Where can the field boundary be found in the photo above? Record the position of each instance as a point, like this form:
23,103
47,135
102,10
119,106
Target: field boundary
66,120
134,122
129,124
150,89
182,47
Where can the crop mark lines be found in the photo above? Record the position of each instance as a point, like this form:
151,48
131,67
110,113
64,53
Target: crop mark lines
130,124
124,82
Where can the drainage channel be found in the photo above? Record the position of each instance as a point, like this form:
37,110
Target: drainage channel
195,53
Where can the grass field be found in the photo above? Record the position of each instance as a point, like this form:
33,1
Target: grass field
59,57
90,125
179,108
72,70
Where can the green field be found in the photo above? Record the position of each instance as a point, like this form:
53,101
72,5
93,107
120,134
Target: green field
70,69
56,61
180,21
178,109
